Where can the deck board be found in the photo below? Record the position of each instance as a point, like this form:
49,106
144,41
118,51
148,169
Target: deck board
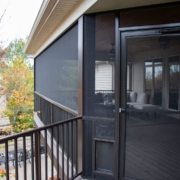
152,148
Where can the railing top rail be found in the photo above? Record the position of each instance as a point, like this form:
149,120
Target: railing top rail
22,134
57,104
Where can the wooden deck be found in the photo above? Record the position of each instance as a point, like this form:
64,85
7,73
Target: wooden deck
152,148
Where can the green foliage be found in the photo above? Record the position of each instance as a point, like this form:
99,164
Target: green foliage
15,50
24,121
17,81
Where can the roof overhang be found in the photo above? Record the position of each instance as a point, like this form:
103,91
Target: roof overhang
108,5
55,16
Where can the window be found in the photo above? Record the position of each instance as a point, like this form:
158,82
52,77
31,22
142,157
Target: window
154,80
129,69
174,72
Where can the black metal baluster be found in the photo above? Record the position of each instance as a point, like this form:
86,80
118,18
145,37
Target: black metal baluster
52,156
32,157
39,154
72,150
24,157
57,141
62,152
36,150
67,141
7,160
16,159
46,160
76,146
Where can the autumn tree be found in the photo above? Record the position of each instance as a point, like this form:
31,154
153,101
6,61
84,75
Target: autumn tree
15,50
17,81
3,51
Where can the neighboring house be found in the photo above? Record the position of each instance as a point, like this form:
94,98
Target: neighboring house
127,93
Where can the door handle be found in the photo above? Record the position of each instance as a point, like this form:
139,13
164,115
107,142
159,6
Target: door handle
122,110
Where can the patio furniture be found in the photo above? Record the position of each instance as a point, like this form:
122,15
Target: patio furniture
3,160
29,155
20,156
12,152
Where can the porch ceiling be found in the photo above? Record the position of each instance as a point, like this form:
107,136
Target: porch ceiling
54,14
140,45
107,5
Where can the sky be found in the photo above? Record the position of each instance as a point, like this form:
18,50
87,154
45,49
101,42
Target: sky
18,19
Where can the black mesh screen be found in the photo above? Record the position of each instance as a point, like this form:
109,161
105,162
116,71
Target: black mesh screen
99,83
57,70
99,66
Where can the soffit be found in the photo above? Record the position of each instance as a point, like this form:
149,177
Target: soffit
51,14
108,5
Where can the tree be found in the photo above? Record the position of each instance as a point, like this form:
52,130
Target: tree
15,50
17,81
3,52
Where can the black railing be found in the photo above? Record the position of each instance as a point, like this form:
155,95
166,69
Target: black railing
42,152
67,99
50,111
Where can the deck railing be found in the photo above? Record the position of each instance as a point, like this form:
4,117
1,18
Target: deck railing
42,152
51,111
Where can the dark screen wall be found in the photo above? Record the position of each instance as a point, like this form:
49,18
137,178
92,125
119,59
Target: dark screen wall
56,70
99,35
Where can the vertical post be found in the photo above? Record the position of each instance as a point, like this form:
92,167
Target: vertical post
32,157
80,94
52,154
117,97
16,158
57,149
72,149
62,136
7,160
67,148
89,57
37,154
46,161
24,157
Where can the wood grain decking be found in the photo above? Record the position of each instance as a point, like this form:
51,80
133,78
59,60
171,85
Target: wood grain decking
153,148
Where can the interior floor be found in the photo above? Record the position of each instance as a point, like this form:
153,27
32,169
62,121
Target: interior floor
152,147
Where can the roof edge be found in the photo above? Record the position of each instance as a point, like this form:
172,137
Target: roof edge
77,11
44,11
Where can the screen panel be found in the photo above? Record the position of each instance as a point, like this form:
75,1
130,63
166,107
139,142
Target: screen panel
57,70
152,121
